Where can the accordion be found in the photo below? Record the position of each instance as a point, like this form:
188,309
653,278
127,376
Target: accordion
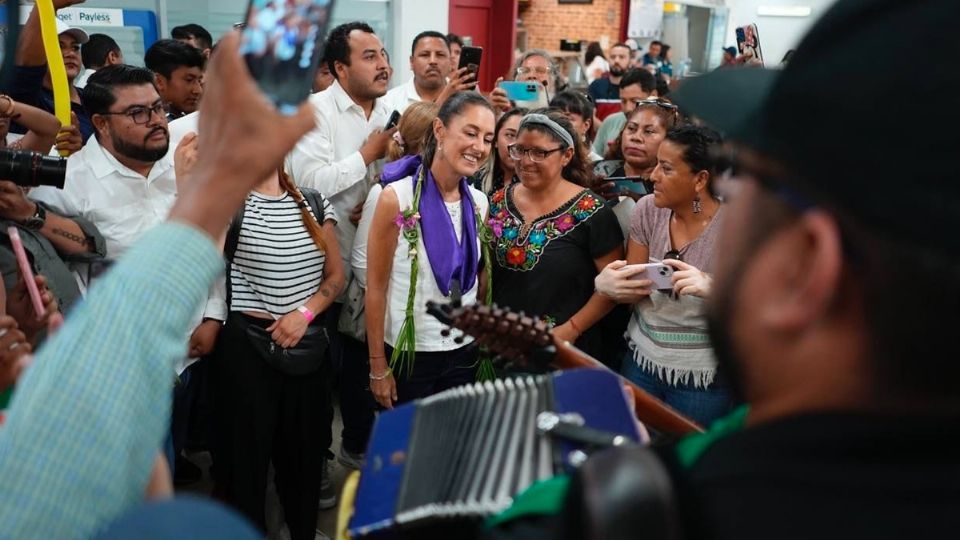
463,454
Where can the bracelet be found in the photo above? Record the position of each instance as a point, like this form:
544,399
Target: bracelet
10,106
575,327
307,314
386,374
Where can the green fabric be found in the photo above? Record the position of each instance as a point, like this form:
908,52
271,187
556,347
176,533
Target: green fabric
542,498
692,447
547,497
5,398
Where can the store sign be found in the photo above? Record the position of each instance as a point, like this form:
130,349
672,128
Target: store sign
82,17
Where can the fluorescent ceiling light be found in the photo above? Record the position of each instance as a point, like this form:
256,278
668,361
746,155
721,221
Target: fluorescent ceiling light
784,11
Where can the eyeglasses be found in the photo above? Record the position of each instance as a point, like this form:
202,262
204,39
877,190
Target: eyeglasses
536,155
141,115
539,70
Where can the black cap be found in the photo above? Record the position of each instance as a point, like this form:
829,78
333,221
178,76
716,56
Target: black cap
866,114
732,51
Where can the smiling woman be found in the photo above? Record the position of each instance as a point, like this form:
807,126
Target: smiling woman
424,244
551,234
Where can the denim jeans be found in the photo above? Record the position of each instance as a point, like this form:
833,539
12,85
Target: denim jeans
702,405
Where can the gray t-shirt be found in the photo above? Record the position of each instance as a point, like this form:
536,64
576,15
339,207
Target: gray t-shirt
668,336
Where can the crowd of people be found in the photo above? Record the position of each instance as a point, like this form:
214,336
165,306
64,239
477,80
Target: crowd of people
208,289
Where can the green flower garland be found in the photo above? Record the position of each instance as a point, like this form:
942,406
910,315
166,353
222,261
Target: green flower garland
404,352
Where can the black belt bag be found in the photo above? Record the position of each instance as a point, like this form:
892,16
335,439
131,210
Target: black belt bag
304,358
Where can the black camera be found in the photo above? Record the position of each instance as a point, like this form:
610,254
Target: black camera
31,169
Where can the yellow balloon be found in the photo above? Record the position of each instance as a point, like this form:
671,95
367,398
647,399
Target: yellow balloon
58,73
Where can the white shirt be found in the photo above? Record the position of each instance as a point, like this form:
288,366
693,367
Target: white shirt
428,328
328,158
81,80
123,205
358,258
401,97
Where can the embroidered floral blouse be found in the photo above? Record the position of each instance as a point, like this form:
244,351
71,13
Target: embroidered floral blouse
546,267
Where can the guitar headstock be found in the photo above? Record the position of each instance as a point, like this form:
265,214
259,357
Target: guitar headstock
513,336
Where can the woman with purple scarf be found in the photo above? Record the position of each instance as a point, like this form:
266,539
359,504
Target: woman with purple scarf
424,245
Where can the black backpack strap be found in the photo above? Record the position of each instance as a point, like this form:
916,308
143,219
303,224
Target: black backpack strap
316,202
230,245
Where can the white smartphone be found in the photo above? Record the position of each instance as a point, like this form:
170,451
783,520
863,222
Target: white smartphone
660,274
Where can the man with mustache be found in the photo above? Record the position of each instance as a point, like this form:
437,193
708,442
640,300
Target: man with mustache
179,70
31,84
608,86
123,182
430,63
341,158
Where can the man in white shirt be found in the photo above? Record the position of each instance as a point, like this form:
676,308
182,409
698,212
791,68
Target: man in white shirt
123,181
430,63
341,159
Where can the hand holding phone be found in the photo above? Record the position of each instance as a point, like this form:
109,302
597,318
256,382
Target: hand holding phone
26,272
470,58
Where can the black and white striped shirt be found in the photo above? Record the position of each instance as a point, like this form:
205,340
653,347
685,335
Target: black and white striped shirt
277,267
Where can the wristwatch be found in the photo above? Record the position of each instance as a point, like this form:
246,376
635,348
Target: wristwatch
36,221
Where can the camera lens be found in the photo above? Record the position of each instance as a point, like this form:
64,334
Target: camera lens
32,169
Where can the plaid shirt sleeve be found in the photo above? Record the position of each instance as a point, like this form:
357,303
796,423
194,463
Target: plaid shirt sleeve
88,417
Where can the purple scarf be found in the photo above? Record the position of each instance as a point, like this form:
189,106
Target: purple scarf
449,259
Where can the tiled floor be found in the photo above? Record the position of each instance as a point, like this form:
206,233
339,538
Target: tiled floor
326,520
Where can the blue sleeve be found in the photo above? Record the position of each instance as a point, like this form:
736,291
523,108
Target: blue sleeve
88,417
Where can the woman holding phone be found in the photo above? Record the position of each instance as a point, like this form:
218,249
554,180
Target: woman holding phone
670,354
638,143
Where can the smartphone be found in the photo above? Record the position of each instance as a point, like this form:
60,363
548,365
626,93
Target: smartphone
625,184
470,59
520,90
748,43
660,274
393,121
282,43
28,278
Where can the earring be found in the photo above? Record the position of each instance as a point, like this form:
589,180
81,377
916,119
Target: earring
697,207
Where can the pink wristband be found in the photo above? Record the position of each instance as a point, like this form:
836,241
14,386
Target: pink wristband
307,314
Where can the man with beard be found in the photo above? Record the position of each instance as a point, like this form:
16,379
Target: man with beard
30,83
833,301
430,63
341,159
607,87
123,182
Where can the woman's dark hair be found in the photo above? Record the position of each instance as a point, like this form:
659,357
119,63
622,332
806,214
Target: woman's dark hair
664,48
337,48
453,106
668,118
573,102
593,50
576,171
663,87
700,146
493,178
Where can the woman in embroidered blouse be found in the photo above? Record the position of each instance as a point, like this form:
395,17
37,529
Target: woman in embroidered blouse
551,235
424,245
670,355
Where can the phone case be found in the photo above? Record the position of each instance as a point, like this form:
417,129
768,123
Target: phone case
520,90
660,274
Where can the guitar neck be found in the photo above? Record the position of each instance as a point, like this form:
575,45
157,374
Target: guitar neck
649,410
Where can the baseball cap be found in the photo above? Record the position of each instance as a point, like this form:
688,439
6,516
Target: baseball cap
78,34
731,51
859,131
